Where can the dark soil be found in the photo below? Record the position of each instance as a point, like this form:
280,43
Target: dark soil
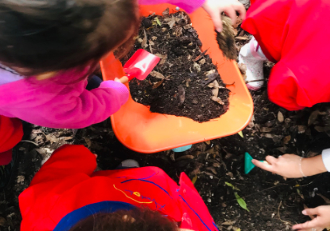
179,85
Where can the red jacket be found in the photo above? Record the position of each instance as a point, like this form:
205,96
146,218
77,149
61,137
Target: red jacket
294,34
66,183
11,133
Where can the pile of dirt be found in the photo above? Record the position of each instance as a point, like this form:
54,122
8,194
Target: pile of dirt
185,82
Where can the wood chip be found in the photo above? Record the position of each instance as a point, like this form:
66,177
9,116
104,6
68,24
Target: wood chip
243,38
157,75
280,117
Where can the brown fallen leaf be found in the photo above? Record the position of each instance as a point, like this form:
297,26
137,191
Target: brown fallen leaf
166,12
52,139
170,21
178,31
189,157
266,129
144,40
215,90
157,75
286,139
218,100
312,118
156,85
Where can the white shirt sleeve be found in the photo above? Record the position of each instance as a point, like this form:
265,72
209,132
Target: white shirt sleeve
326,158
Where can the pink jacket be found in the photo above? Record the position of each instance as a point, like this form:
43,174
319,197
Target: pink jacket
63,101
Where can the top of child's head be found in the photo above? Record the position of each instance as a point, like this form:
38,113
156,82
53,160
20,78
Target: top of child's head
44,36
127,220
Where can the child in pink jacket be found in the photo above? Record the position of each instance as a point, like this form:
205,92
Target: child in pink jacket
49,48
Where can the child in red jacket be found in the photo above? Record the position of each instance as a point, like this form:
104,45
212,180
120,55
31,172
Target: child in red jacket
66,194
11,132
290,33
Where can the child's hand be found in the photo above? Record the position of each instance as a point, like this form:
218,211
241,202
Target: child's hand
322,221
215,7
287,165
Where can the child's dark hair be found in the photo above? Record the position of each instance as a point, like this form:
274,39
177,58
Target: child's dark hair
126,220
50,35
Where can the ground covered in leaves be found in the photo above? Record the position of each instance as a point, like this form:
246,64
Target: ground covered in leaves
216,167
185,82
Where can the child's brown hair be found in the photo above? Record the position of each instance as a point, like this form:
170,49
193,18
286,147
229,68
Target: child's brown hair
40,36
126,220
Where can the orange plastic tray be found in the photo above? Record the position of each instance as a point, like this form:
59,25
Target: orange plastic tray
146,132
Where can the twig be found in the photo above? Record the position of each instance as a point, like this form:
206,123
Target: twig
29,141
279,216
256,80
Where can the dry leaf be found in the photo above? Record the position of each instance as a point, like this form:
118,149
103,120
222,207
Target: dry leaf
286,139
215,90
187,82
170,21
157,75
229,222
301,129
88,142
52,139
312,118
208,142
190,157
145,39
266,129
218,100
156,85
178,31
280,117
166,12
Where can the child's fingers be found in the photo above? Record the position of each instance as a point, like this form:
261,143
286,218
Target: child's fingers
241,10
231,13
216,18
311,211
307,225
264,166
271,159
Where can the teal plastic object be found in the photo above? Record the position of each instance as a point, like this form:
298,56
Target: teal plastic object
248,165
182,149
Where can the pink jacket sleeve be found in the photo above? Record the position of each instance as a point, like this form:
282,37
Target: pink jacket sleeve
187,5
56,105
